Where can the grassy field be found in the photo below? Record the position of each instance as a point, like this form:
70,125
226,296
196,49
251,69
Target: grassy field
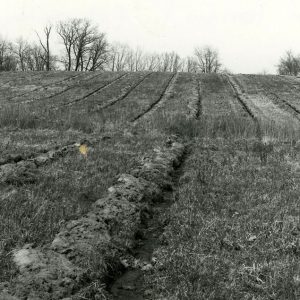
233,228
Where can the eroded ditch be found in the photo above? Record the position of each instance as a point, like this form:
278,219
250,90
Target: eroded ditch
129,282
111,230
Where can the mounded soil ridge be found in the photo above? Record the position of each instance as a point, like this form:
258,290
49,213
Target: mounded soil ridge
89,249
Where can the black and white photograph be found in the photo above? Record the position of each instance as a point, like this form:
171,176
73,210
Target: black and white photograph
149,150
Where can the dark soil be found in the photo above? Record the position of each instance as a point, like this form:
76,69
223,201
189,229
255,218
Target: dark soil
131,283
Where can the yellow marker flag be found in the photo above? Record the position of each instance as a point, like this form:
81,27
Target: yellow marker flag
83,149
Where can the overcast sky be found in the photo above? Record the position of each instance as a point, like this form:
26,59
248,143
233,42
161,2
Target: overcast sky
250,35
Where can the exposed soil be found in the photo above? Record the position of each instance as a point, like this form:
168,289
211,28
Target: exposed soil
130,284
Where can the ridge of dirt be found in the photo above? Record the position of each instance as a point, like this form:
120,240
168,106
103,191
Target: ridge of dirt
16,158
130,283
102,236
22,169
14,168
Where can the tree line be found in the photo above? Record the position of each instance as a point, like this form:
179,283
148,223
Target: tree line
86,48
289,64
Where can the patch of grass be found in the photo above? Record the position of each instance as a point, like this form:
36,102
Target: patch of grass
67,118
234,229
19,117
172,123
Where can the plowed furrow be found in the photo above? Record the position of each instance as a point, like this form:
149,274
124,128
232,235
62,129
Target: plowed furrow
43,87
282,101
99,89
61,92
155,103
124,95
240,97
199,100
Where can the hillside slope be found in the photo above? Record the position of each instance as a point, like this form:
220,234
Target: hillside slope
66,136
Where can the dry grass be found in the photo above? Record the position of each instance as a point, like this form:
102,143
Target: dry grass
234,228
233,231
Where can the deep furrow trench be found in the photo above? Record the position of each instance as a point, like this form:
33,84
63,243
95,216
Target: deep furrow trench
116,223
129,282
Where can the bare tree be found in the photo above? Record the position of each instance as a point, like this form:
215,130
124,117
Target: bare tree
207,60
135,60
97,55
289,64
140,63
67,31
170,62
152,62
35,58
190,65
46,46
164,62
86,48
85,37
21,51
118,57
176,64
8,61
